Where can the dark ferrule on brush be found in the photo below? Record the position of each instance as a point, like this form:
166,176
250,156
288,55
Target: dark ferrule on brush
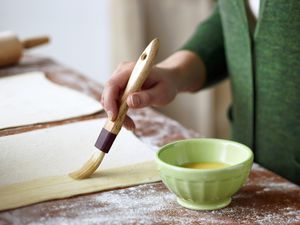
105,140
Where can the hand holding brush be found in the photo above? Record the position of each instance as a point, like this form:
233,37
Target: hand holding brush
111,129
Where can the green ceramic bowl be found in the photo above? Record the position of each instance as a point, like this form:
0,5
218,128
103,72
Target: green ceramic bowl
204,189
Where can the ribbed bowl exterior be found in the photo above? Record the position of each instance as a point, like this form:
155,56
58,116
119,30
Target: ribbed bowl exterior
205,190
199,186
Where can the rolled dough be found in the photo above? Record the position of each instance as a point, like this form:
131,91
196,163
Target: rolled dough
31,98
34,165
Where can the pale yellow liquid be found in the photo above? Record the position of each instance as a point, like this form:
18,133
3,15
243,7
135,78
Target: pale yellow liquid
205,165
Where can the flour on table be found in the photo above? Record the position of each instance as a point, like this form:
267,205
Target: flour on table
143,204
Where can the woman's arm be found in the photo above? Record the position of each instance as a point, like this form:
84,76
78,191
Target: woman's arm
182,71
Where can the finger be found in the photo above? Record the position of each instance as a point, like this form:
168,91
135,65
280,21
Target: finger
156,96
110,97
102,100
122,73
152,79
128,123
141,99
114,87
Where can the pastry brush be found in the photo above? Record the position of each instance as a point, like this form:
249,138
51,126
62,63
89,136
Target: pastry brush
111,128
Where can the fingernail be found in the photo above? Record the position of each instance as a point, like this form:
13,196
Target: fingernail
110,115
136,101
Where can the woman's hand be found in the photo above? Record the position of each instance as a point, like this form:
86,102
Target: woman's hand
158,90
180,72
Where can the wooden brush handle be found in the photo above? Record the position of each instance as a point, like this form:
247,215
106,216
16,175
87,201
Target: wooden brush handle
135,82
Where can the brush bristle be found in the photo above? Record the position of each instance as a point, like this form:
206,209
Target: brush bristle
89,167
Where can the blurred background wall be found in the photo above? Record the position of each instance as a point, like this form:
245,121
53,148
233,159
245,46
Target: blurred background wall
136,22
94,36
79,31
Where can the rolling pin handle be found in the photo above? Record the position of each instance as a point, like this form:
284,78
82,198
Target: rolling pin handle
36,41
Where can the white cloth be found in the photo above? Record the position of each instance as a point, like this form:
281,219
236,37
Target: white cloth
254,7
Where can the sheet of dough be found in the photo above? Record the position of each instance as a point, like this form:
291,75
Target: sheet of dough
31,98
34,165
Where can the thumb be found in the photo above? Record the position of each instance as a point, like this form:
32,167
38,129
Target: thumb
155,96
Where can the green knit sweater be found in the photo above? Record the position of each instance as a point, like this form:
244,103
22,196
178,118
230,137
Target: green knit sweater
264,70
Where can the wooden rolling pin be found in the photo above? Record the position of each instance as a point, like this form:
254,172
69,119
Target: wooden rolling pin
11,48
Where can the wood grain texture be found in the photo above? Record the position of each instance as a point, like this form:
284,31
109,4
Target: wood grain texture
137,78
11,48
35,41
60,75
265,199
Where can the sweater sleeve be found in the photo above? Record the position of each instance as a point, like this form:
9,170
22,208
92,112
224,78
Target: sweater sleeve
208,43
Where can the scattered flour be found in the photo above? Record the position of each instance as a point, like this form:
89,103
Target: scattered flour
257,167
264,200
149,204
161,130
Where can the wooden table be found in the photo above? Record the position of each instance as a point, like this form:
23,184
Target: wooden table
265,199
